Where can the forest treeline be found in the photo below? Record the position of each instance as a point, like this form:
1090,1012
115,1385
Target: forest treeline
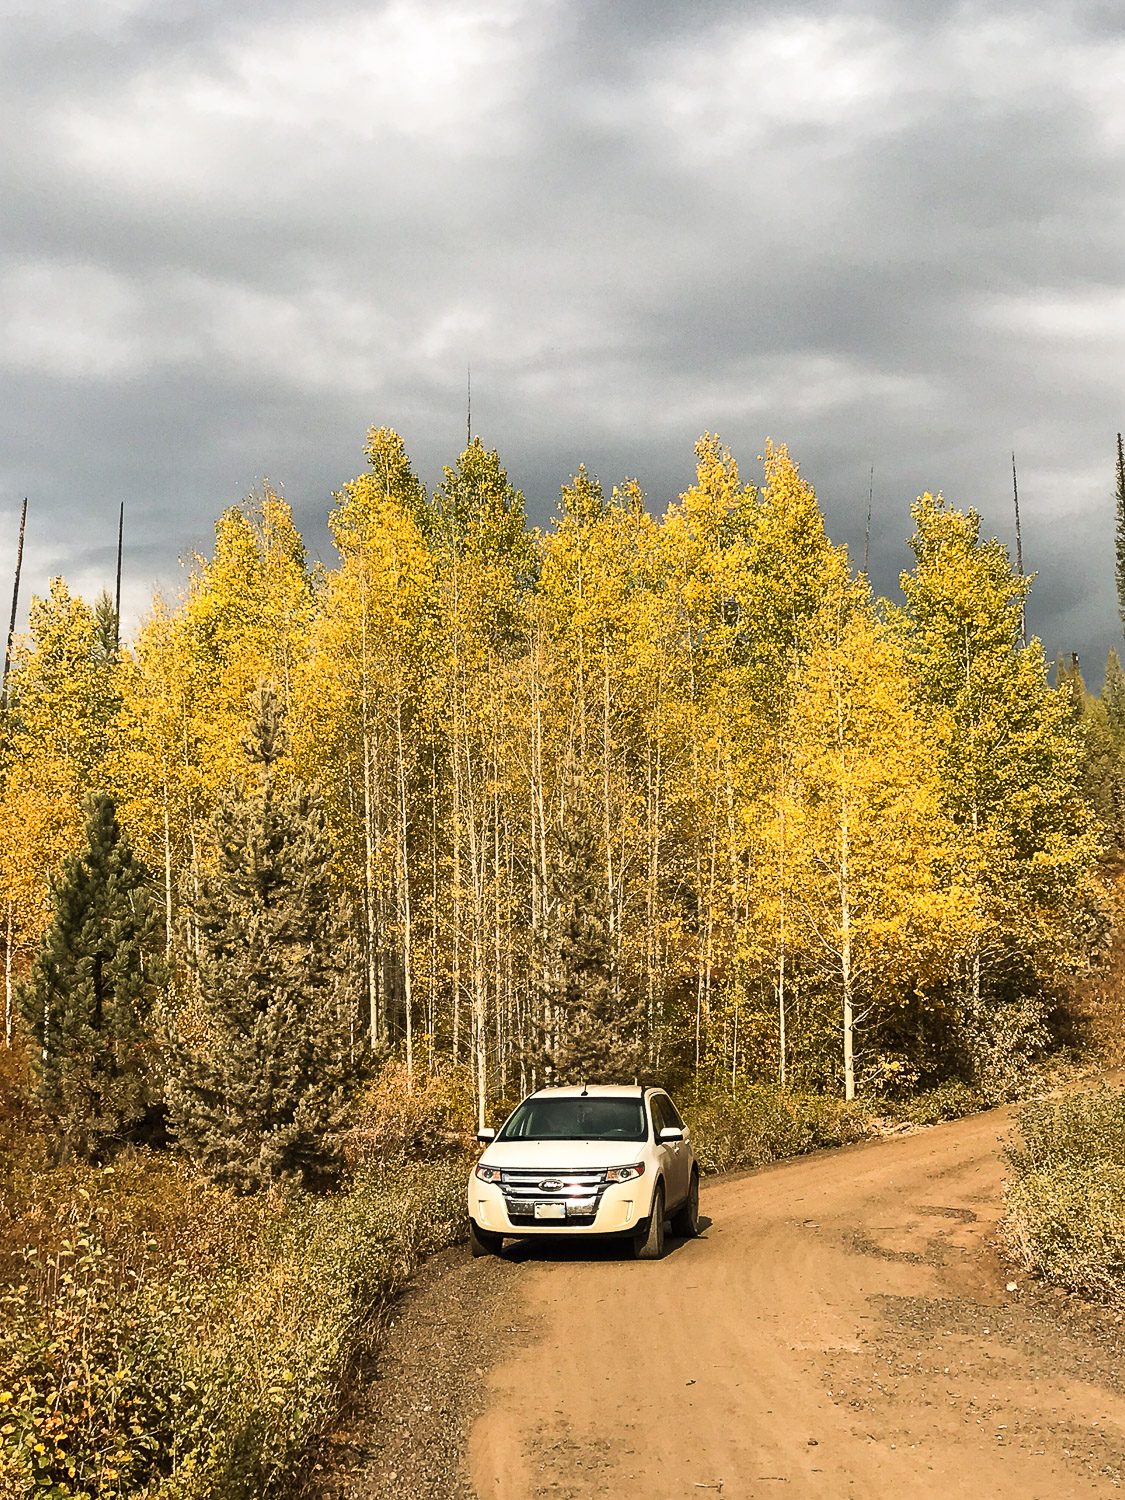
677,780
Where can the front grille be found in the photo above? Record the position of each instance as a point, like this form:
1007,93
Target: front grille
553,1226
580,1189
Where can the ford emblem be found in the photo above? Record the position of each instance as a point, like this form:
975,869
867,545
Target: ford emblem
550,1184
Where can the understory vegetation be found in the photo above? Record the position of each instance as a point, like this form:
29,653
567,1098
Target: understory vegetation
163,1338
1065,1209
763,1123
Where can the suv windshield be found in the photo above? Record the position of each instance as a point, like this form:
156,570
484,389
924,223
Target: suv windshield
576,1119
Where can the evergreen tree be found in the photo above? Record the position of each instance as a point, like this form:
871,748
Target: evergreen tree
1113,693
596,1033
105,644
1101,761
90,994
1112,706
262,1063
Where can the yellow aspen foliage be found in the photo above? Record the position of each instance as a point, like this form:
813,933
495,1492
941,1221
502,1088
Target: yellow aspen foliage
1007,756
869,838
63,717
188,686
827,839
364,708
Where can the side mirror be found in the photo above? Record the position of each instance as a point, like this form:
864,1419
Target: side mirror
669,1134
484,1134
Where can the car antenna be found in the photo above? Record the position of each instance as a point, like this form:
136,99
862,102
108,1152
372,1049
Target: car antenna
585,1090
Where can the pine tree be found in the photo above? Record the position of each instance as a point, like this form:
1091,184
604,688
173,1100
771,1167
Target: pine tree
1112,704
91,991
105,645
1101,763
596,1032
262,1062
1113,693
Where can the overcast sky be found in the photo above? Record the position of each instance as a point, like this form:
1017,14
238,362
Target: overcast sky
233,237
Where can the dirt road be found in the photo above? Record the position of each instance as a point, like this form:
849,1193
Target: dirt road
841,1329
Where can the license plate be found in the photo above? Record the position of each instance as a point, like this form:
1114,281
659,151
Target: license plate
550,1210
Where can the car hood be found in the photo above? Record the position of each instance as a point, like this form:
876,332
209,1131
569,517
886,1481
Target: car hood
561,1154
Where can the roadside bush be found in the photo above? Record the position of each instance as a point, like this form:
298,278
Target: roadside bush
87,1408
393,1122
1002,1044
951,1100
128,1372
761,1124
1065,1205
1080,1128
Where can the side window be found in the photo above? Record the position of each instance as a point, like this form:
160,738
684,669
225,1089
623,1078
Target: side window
658,1105
672,1113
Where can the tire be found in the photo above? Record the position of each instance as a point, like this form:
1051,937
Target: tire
483,1242
685,1221
649,1243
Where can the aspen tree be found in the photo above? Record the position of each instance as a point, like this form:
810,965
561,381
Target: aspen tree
1101,771
597,1039
366,709
593,596
485,562
750,570
61,721
157,765
1008,761
37,807
443,676
869,825
792,568
245,618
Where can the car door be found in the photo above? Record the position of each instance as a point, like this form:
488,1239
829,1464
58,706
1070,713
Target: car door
673,1154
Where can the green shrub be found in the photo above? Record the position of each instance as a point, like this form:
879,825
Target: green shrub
1003,1043
86,1408
762,1123
1075,1129
1064,1213
951,1100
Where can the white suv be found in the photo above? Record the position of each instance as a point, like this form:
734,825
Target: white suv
605,1160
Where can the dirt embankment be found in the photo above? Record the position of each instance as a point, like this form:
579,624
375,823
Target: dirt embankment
844,1327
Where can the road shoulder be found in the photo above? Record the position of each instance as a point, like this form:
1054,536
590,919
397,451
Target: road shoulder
405,1432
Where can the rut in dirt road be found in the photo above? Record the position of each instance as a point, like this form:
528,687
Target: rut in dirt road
843,1328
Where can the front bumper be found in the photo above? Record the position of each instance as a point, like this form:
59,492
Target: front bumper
618,1210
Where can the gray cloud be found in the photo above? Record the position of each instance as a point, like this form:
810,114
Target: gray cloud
885,233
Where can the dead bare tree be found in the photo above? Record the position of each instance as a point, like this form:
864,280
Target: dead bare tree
15,606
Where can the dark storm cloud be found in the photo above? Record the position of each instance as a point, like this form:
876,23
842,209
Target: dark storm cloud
233,238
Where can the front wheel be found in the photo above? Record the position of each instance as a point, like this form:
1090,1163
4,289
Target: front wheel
685,1221
483,1242
649,1243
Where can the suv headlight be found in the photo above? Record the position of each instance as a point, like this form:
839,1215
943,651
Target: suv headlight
625,1174
490,1174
